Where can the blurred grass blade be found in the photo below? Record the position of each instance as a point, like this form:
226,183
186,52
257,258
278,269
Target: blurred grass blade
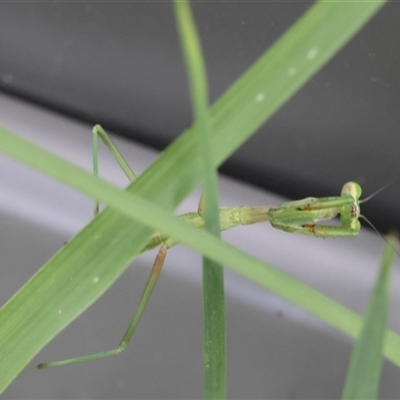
80,272
362,381
214,328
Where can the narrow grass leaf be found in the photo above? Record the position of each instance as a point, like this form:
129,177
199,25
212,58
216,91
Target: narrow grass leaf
214,328
362,381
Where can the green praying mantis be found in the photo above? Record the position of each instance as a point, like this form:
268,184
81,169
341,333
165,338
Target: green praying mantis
301,216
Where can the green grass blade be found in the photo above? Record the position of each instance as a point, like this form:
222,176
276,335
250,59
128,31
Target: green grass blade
362,381
81,271
214,328
83,265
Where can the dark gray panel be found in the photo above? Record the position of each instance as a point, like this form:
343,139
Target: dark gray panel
120,64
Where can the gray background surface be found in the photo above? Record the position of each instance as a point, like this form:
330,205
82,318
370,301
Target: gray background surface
119,64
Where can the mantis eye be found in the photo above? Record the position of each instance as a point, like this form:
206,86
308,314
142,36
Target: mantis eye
352,189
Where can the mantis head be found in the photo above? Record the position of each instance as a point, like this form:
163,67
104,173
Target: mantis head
351,212
352,189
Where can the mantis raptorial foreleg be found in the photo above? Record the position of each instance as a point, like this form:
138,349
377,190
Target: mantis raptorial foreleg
300,216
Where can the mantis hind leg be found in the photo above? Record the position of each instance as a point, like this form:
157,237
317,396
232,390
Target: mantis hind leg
151,282
154,274
99,131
